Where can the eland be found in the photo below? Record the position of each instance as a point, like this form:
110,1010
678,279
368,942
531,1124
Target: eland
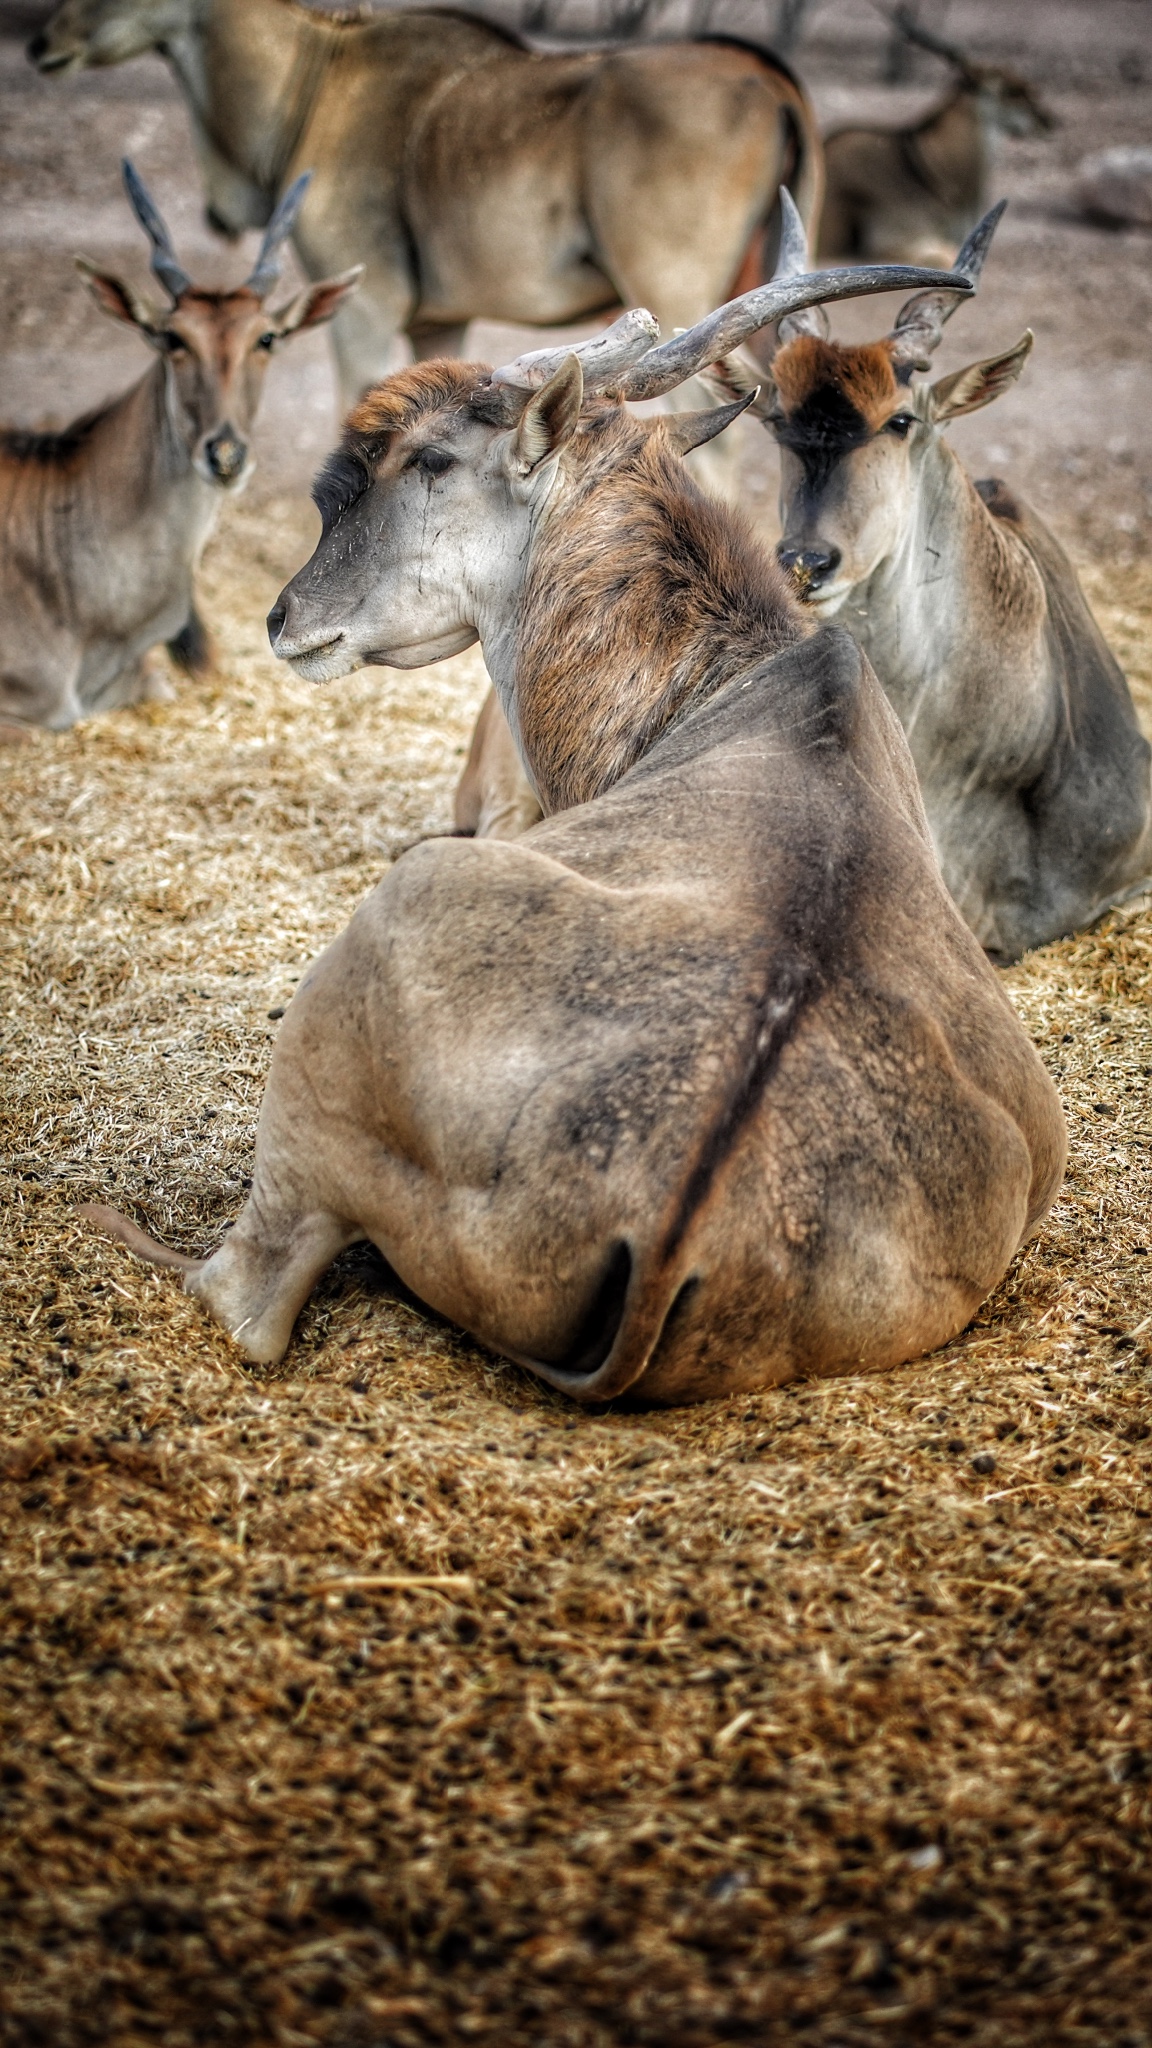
102,523
912,194
701,1084
474,177
1034,771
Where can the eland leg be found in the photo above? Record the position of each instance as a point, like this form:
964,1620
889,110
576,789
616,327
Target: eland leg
258,1281
192,648
256,1284
494,798
430,342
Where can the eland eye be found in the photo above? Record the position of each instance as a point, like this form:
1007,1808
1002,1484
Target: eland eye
900,424
173,345
267,340
431,461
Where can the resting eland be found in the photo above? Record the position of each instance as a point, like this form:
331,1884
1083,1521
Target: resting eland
701,1083
1034,772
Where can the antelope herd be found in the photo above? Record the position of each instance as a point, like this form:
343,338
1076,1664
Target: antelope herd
683,1066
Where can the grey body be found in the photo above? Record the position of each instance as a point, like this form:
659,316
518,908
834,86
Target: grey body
93,574
1033,768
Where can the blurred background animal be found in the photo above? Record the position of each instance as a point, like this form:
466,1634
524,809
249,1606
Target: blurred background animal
475,179
912,193
102,522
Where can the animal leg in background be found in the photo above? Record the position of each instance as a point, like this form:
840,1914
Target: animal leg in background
431,341
39,658
144,681
367,337
193,648
494,798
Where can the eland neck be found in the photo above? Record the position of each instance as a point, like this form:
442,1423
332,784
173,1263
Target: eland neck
641,598
955,605
250,70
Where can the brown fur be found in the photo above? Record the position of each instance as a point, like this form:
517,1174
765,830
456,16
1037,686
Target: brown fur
863,374
649,592
701,1083
411,394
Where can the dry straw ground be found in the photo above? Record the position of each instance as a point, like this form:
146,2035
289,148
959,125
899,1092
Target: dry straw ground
822,1716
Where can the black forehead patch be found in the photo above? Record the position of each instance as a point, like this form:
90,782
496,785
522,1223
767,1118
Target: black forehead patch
344,478
825,427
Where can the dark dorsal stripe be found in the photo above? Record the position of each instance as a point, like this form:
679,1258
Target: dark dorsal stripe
791,985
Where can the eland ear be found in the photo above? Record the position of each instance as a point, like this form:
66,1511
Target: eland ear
118,299
735,377
967,390
317,303
548,421
687,430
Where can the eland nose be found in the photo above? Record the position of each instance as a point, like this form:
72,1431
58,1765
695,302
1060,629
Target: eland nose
293,636
37,48
225,454
313,652
277,620
808,567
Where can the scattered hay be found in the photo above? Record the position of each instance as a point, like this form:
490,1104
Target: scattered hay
822,1714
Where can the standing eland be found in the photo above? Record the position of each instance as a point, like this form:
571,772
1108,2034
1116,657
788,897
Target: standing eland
475,178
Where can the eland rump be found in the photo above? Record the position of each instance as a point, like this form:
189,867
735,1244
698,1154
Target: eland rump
1033,769
102,523
700,1084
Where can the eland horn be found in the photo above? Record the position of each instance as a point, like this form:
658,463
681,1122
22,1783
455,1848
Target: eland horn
276,233
165,267
601,359
794,261
662,368
920,323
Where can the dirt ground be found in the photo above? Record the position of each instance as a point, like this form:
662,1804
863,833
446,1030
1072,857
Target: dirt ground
383,1700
